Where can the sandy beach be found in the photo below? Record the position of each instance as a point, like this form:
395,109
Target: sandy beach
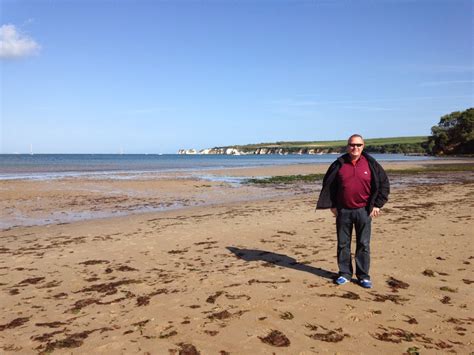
182,265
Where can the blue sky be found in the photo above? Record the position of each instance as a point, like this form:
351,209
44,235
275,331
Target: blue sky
83,76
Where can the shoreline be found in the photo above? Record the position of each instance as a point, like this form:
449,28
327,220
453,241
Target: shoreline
48,202
115,169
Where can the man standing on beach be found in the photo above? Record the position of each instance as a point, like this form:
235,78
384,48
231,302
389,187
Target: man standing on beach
355,188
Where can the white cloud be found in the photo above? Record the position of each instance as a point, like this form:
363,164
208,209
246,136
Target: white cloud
14,44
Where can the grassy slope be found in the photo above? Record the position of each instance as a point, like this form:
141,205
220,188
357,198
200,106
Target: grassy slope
339,143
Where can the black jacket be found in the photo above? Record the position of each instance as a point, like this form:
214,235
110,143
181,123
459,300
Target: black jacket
379,184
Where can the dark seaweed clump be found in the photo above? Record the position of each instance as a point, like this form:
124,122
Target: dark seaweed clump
14,323
396,284
286,179
276,338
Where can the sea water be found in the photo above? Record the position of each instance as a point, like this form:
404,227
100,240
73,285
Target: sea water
53,166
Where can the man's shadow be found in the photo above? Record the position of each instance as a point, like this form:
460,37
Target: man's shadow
279,260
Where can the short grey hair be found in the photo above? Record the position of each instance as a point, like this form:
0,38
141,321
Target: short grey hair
354,136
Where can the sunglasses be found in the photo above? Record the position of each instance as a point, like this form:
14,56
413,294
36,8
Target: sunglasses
355,145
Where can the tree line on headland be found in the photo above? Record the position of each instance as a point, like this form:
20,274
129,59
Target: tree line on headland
453,135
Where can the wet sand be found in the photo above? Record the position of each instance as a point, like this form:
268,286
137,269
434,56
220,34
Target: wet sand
241,277
52,201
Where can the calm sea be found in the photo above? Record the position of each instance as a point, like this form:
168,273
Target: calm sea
50,166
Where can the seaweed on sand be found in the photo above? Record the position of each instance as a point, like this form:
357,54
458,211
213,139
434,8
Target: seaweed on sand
276,338
212,298
329,335
396,284
393,298
188,349
221,315
17,322
74,340
108,288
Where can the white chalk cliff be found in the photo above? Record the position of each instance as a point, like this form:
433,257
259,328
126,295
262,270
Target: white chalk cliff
256,151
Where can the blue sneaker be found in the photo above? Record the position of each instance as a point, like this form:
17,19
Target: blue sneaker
341,280
365,283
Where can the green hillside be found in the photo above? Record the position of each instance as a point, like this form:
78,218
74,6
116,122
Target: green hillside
416,144
338,143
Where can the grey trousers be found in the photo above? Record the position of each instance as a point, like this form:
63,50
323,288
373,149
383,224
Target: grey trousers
345,221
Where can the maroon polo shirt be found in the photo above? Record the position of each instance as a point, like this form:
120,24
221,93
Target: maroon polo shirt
354,183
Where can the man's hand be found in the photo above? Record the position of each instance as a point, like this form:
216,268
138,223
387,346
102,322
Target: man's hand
334,211
375,212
